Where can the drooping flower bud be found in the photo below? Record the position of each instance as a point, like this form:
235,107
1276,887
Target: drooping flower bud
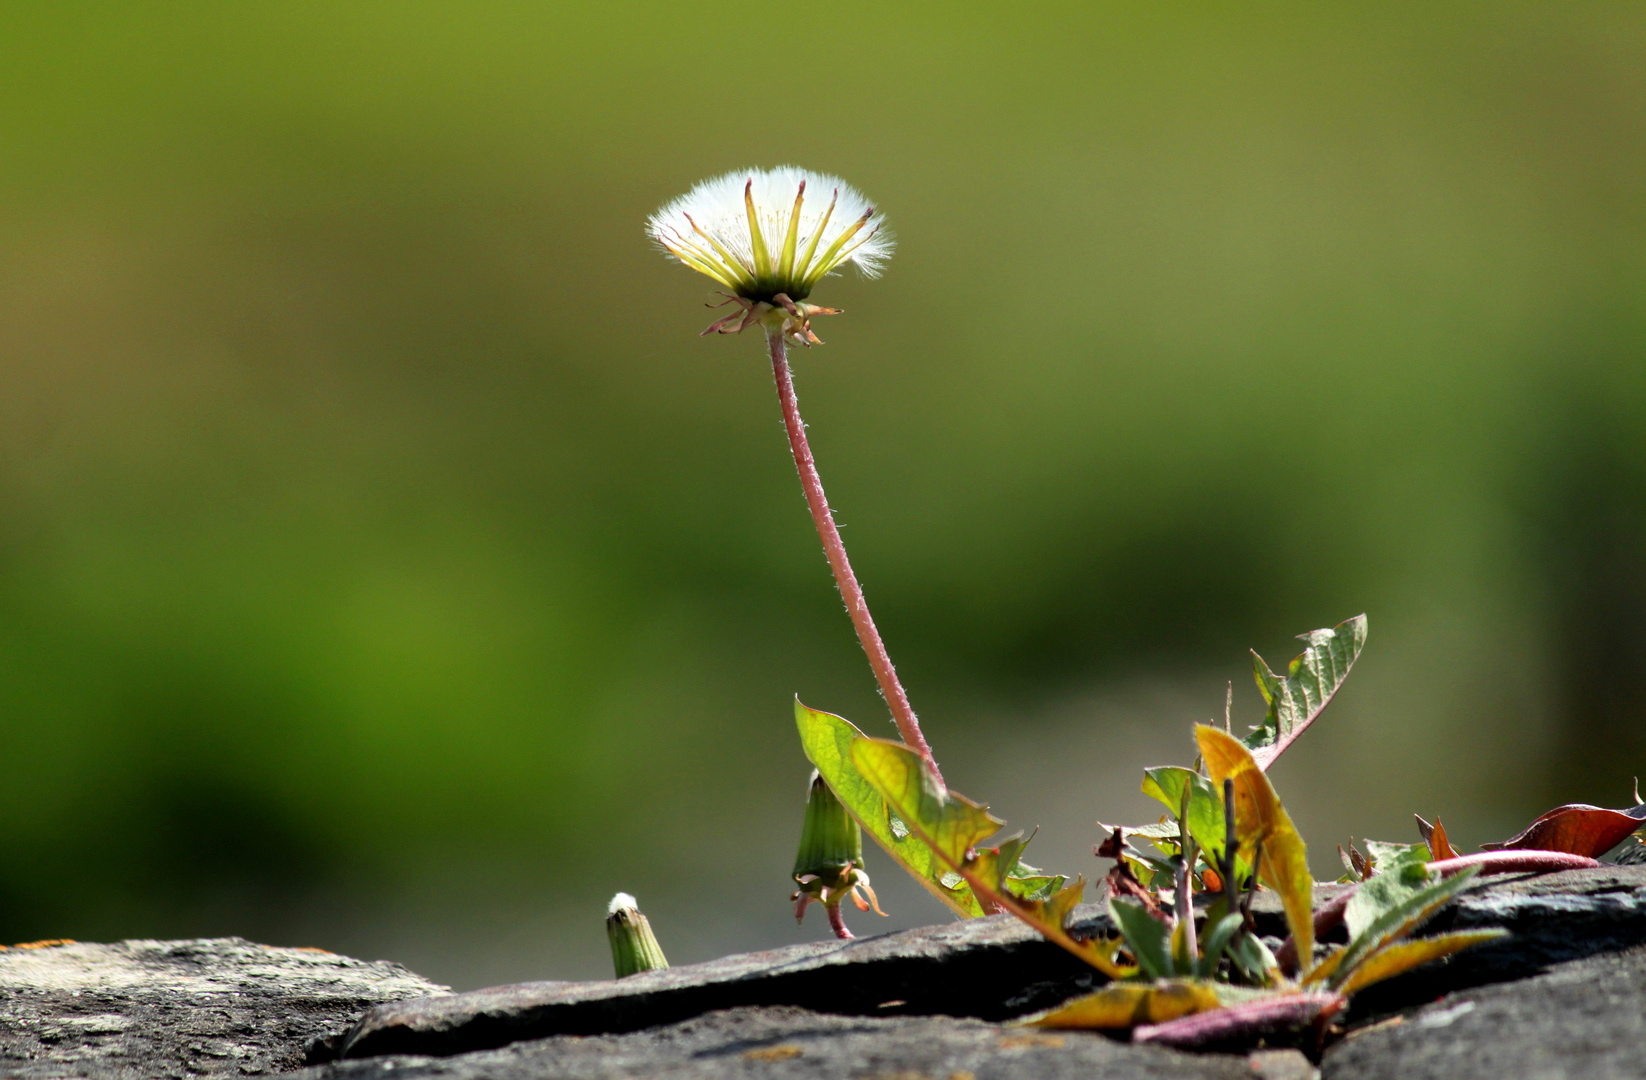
634,946
829,864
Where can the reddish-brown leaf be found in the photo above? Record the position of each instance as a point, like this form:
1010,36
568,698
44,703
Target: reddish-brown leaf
1438,847
1578,829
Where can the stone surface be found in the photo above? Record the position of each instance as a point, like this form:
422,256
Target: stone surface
990,969
204,1008
788,1043
1540,1003
1583,1020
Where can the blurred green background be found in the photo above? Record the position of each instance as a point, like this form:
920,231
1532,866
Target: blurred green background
386,565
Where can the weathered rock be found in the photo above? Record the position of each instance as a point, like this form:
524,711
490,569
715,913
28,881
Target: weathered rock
832,1009
985,968
1583,1020
1551,919
788,1043
989,969
221,1007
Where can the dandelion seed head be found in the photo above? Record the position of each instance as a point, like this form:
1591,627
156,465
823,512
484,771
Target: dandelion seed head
761,233
622,902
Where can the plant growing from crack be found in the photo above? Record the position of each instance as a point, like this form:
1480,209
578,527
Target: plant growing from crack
1182,972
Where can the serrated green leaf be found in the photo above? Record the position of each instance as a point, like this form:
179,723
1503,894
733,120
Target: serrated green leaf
1147,937
1311,680
1386,856
1384,892
952,826
827,741
1396,920
1206,823
1035,886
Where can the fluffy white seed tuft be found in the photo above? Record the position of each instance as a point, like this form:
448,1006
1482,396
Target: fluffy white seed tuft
761,232
621,902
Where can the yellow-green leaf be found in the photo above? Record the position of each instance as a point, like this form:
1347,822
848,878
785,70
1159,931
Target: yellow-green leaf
1326,968
951,826
1124,1005
1260,819
1393,960
949,823
827,740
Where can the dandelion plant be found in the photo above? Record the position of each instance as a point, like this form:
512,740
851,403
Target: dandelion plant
769,238
1178,971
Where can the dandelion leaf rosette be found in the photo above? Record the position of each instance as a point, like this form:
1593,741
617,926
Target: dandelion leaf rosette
827,740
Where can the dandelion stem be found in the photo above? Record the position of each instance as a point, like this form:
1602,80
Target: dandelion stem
852,593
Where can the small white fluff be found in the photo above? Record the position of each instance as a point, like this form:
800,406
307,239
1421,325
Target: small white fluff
621,902
762,232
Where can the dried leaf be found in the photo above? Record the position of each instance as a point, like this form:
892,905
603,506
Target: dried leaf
1578,829
1124,1005
1260,819
1424,828
1394,960
1311,680
1439,848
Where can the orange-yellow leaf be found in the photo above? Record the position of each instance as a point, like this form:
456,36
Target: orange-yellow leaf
1260,819
1393,960
1326,968
1439,848
1124,1005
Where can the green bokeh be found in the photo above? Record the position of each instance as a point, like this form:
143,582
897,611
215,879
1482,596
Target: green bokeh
386,564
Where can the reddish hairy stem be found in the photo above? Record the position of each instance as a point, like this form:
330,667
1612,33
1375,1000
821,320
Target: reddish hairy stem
852,593
1513,862
1244,1021
838,924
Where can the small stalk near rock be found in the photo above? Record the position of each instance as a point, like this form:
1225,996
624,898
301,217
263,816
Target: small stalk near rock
634,946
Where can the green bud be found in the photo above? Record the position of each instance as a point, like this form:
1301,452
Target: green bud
829,865
634,946
831,842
